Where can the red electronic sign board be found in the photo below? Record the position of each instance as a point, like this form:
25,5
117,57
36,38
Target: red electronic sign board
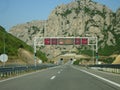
69,41
65,41
47,41
61,41
84,41
77,41
54,41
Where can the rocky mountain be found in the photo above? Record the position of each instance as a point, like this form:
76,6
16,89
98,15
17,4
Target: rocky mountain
79,18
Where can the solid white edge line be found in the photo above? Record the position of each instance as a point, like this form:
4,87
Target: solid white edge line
104,79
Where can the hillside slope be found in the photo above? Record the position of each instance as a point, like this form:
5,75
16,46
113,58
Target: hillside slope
10,46
117,60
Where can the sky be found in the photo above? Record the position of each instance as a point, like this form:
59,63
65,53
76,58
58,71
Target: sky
13,12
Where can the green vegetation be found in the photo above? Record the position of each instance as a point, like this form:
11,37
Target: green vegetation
76,62
85,52
117,38
12,44
108,60
107,50
93,12
65,13
77,10
42,56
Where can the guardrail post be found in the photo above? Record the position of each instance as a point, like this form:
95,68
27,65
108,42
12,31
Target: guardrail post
113,68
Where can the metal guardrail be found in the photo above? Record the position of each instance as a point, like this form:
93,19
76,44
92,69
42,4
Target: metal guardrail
12,71
113,68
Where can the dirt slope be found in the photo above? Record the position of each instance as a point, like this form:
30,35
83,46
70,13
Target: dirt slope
117,60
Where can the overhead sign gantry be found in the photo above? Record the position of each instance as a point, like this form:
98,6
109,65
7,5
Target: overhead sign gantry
65,41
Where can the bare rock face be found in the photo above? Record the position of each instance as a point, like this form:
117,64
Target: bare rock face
26,32
76,19
117,22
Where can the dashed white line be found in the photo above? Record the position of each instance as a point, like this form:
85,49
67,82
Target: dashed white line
53,77
59,72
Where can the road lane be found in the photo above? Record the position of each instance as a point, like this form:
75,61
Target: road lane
59,78
110,76
71,79
35,81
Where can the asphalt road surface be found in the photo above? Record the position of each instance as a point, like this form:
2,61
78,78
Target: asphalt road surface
64,77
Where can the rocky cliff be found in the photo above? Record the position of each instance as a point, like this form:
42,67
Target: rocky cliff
78,18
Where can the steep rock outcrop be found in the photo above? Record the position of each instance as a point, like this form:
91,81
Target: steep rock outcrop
78,18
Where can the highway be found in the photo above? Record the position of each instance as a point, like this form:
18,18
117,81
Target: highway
64,77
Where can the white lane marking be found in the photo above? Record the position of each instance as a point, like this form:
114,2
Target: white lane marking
53,77
104,79
59,72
